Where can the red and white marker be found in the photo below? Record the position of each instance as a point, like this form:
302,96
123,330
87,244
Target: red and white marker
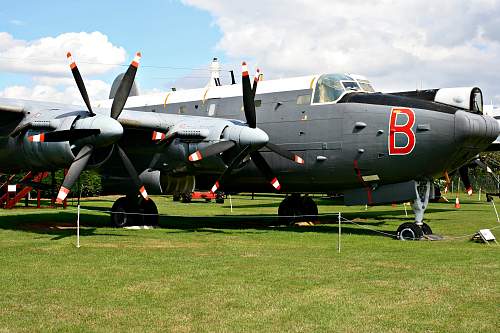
136,60
469,190
244,69
72,63
63,193
196,156
276,183
298,159
143,192
457,203
37,138
215,187
158,136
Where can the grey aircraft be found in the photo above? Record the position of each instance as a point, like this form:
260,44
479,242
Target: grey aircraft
325,133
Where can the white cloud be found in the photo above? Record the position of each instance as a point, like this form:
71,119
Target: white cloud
47,55
45,59
58,91
396,44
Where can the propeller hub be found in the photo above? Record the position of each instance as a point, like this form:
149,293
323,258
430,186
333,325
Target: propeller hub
246,136
110,130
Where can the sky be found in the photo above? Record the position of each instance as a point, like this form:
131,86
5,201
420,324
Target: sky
398,45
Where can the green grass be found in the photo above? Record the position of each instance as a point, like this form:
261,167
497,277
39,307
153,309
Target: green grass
231,272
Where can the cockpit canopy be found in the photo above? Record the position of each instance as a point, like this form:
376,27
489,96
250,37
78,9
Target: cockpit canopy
331,87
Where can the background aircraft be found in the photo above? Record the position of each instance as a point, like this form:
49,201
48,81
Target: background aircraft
312,134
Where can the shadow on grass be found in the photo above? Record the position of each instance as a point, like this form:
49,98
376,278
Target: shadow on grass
61,224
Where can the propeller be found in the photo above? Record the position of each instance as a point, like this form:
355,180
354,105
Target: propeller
464,176
64,135
250,138
97,132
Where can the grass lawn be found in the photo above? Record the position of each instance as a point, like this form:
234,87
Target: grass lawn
210,270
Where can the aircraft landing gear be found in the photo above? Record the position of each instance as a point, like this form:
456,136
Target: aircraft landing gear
294,206
417,229
128,211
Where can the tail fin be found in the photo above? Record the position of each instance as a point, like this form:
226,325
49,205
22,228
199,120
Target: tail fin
133,92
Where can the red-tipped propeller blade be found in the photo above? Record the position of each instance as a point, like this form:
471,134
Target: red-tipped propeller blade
124,87
211,150
248,97
263,167
74,171
63,135
235,162
255,82
285,153
132,173
79,82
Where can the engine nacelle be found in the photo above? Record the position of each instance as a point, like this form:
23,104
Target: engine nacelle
468,98
158,183
40,155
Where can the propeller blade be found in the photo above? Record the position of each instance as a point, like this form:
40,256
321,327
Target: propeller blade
464,176
132,173
237,160
79,82
211,150
285,153
248,97
165,139
483,165
262,165
255,81
64,135
74,171
124,88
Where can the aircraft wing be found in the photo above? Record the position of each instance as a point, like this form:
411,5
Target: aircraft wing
10,117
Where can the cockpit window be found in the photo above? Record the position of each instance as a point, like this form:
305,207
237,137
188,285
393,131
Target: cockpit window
351,85
366,86
330,87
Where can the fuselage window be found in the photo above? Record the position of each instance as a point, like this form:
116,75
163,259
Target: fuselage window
211,109
258,103
182,109
304,99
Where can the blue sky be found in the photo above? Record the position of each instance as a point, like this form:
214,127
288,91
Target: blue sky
168,33
397,51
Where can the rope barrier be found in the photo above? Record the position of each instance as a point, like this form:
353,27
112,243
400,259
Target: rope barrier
276,217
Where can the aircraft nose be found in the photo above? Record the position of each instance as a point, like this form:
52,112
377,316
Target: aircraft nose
475,131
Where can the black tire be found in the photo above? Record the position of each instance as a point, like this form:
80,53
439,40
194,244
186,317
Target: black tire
426,229
289,208
310,208
151,217
176,197
119,213
186,197
219,197
409,231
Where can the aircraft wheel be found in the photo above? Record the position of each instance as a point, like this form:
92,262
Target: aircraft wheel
310,208
119,210
151,217
409,231
426,229
186,197
289,208
219,197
